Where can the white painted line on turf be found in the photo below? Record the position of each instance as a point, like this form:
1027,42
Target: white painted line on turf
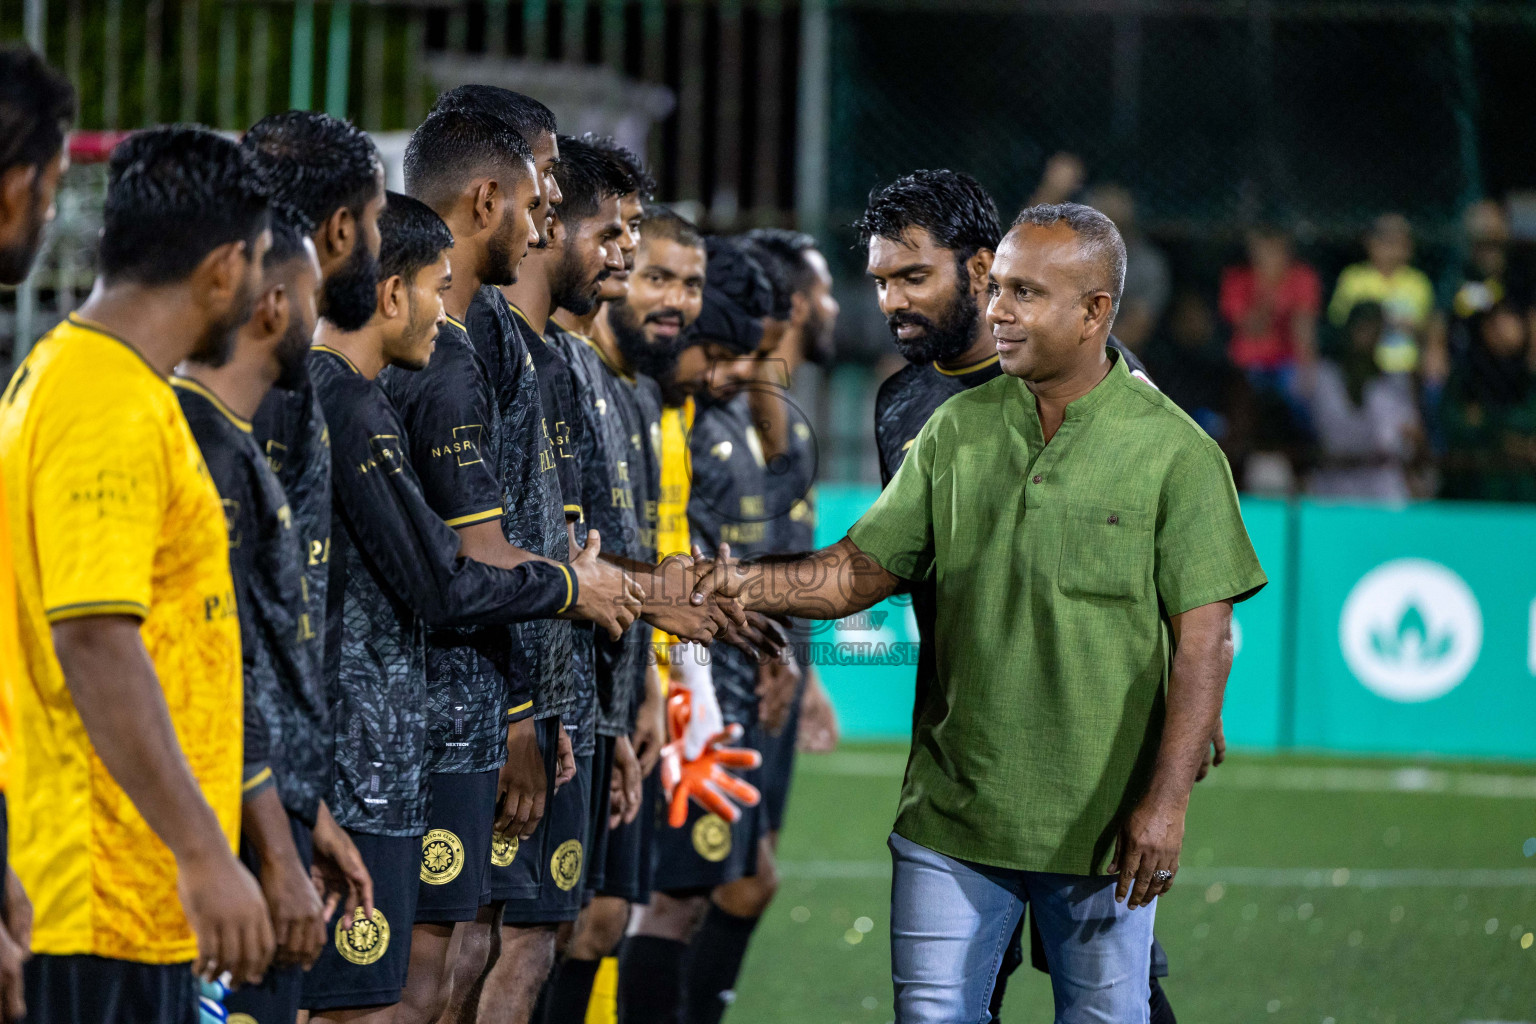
1268,878
1372,780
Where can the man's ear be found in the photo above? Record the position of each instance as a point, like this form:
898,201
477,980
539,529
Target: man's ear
489,204
392,297
218,277
1098,311
277,310
978,267
799,309
336,236
15,197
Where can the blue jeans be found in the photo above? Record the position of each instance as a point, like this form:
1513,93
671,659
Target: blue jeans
951,921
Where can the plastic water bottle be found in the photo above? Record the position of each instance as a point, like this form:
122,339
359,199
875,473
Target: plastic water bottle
210,1000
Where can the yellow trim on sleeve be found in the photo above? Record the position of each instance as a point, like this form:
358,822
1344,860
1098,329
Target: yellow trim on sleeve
574,510
966,369
475,517
85,609
520,708
256,780
570,587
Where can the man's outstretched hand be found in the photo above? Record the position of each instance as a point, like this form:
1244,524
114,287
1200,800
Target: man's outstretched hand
704,779
605,594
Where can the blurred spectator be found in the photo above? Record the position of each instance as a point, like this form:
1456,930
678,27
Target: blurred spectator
1147,280
1061,180
1189,364
1487,277
1271,306
1367,420
1403,292
1488,413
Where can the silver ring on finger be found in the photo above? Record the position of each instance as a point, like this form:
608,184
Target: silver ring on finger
1162,876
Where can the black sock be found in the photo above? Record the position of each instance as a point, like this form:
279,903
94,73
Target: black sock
1162,1013
718,949
650,980
568,992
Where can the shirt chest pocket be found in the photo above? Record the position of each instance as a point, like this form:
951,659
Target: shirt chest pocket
1106,552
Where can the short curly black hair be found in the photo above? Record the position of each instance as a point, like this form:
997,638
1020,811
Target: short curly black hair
586,176
411,236
315,164
950,205
523,114
175,194
627,161
37,105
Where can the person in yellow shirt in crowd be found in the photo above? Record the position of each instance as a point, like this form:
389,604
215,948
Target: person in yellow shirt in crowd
1404,292
126,777
37,106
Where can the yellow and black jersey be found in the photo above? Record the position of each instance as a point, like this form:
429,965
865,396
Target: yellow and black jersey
112,512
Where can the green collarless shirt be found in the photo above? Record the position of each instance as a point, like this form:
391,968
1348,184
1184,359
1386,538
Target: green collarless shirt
1057,567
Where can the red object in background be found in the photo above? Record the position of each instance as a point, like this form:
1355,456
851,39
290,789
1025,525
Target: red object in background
93,147
1299,293
704,780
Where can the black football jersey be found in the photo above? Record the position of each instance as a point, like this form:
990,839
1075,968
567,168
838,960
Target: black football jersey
620,477
474,686
286,726
290,429
396,571
566,428
534,515
728,503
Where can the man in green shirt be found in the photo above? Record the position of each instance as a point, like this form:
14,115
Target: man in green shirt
1086,546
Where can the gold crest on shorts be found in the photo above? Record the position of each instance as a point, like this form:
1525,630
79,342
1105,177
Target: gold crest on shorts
565,865
503,849
712,838
442,857
365,942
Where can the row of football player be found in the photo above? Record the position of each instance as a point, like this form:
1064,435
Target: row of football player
361,514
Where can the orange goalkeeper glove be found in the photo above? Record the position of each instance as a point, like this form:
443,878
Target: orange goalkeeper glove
704,779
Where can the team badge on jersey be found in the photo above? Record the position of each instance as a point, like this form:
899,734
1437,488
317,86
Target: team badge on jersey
712,838
365,942
565,865
242,1018
503,849
442,857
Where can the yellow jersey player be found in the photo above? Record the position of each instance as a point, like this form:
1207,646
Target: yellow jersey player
126,781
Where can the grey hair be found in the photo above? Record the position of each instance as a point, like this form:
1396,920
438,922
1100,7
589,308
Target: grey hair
1099,237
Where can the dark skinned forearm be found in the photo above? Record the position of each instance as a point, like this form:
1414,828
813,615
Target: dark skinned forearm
827,584
264,822
1202,659
117,694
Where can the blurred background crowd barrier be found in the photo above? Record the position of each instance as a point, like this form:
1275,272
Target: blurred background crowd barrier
1330,208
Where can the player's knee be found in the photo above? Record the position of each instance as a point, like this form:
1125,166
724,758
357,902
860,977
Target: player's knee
672,917
600,928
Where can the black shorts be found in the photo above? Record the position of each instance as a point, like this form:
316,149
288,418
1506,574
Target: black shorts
707,851
597,824
551,881
95,990
276,999
779,767
516,870
456,851
365,966
628,852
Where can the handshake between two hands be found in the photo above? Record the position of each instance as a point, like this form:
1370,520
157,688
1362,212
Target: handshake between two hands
687,596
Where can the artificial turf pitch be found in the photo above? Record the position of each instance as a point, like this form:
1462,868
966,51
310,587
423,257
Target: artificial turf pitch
1313,890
